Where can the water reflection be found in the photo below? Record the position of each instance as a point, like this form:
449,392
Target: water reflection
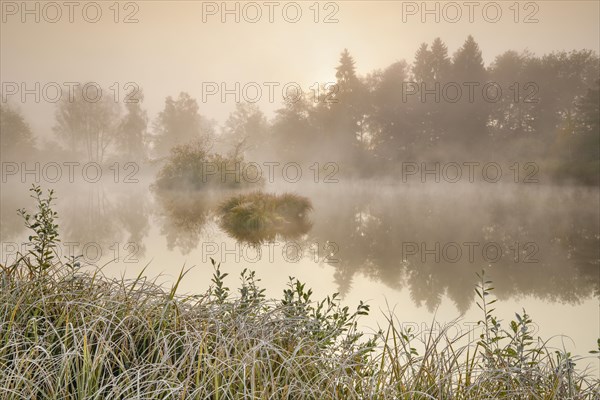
427,240
134,218
117,221
183,217
92,216
11,224
536,242
96,222
186,217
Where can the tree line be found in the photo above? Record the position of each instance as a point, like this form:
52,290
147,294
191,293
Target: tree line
437,107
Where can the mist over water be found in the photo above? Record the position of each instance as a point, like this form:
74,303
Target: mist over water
419,243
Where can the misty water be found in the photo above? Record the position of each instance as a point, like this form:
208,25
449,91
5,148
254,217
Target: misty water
414,248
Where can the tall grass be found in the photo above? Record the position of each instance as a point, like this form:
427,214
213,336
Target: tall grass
70,333
259,217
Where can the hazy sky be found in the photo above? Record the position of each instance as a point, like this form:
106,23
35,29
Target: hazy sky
177,45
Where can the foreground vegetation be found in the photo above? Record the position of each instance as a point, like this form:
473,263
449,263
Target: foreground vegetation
70,333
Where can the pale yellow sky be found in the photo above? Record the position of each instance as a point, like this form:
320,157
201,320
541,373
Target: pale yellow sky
171,49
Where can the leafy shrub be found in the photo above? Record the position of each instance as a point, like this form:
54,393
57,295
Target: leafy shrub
191,166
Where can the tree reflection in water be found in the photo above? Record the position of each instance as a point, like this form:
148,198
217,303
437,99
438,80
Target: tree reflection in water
183,216
371,229
550,247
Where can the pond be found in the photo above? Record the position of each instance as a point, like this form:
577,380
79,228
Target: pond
411,248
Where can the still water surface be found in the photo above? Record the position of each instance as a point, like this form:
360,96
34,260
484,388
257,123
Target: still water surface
411,248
